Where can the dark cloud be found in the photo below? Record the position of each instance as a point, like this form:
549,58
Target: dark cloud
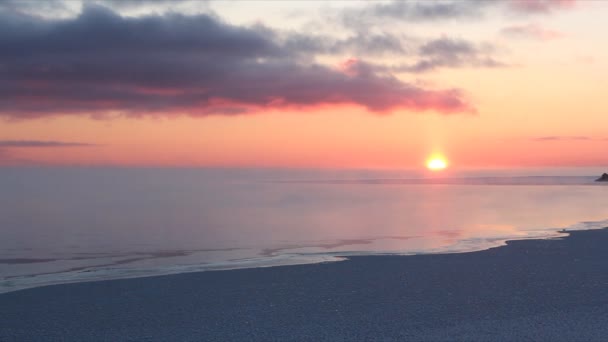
62,8
40,143
412,11
134,4
531,31
8,157
376,14
453,53
100,62
367,44
39,8
562,138
425,11
370,44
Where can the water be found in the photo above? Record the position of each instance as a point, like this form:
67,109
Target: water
66,225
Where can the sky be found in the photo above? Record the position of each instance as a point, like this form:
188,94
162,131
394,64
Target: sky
303,84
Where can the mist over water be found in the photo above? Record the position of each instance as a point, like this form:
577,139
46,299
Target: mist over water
62,225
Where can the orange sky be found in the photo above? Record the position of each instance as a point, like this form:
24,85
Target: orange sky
544,107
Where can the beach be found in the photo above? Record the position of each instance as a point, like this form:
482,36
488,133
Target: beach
551,290
303,171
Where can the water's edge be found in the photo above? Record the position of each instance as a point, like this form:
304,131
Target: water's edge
287,259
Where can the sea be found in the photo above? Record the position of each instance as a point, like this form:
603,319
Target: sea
62,225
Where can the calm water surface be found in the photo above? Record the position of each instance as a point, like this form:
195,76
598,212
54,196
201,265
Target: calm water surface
66,225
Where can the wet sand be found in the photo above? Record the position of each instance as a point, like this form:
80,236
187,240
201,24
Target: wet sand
541,290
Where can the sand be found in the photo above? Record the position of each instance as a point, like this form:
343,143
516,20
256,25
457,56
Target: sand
541,290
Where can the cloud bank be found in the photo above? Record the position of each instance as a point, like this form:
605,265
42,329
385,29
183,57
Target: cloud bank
100,62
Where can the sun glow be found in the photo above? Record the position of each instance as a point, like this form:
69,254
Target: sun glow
436,163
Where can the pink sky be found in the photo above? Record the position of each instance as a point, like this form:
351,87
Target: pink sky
336,84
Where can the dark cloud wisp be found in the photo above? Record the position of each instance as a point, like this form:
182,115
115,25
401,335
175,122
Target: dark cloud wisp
101,62
539,6
453,53
531,31
40,143
380,13
410,11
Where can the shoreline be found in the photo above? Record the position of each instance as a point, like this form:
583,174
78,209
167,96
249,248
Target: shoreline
539,289
289,259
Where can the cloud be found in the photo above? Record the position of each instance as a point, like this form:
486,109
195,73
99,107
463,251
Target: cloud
379,14
69,8
39,8
454,53
374,12
131,4
361,43
562,138
101,62
531,31
8,157
370,44
430,11
427,10
412,11
540,6
40,143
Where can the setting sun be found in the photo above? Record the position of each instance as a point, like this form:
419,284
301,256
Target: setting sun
436,163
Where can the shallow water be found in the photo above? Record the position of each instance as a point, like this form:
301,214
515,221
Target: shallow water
63,225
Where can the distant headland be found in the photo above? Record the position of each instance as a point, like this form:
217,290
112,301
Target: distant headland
603,178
